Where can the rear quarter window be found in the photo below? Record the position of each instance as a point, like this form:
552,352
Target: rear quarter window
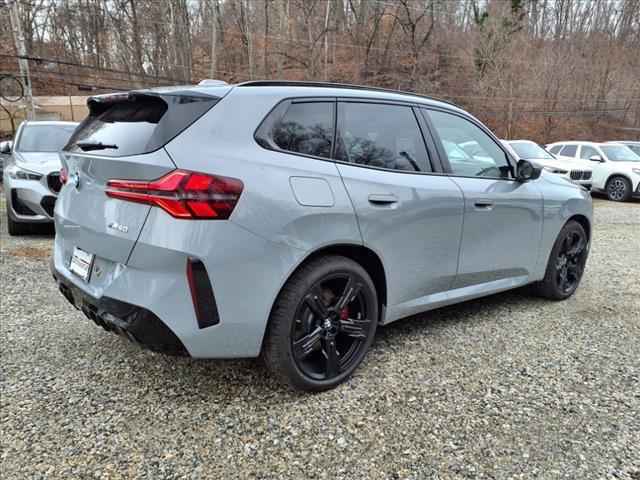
301,127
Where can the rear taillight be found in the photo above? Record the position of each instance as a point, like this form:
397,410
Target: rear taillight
183,194
63,176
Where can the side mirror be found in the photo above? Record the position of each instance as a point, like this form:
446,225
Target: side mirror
527,170
596,158
5,148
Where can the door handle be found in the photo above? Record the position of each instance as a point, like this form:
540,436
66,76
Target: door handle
380,199
483,203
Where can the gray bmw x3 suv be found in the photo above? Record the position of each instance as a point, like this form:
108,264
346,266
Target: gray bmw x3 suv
290,219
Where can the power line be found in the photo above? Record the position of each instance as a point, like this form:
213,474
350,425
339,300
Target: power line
93,67
44,76
565,113
149,79
151,83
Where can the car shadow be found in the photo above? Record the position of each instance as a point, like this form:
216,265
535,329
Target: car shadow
202,378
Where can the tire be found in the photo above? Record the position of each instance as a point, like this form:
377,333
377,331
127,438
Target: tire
16,228
566,263
618,189
322,324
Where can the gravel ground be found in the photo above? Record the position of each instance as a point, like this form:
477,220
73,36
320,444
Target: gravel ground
506,386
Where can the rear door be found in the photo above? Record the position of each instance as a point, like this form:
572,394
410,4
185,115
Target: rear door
408,211
502,217
122,138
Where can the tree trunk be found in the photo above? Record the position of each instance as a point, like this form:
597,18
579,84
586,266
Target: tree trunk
249,29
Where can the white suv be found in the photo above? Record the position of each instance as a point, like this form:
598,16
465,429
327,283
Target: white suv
616,168
577,172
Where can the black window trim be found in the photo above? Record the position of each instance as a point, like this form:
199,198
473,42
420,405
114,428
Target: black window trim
442,153
431,141
434,155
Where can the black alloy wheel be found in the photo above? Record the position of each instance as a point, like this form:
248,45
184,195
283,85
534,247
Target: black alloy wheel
331,326
322,323
566,263
570,262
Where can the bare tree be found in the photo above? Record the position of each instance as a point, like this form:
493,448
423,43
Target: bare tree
545,69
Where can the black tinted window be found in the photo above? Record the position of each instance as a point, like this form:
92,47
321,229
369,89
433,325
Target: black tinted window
137,124
306,128
569,150
385,136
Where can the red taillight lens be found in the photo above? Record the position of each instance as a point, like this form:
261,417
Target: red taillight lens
183,194
63,176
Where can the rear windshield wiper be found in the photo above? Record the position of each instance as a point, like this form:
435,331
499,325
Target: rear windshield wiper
88,146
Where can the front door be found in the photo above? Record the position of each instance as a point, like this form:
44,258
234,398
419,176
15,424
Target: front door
502,217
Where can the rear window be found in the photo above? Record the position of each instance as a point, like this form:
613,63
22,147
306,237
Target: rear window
137,124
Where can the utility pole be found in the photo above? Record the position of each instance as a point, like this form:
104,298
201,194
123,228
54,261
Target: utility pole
22,59
214,39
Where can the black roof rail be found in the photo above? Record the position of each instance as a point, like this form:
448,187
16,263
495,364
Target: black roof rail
309,83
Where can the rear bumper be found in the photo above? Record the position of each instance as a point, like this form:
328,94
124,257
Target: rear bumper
246,273
137,324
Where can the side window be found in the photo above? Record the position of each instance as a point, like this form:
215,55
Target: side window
555,149
305,128
384,136
586,152
471,152
569,151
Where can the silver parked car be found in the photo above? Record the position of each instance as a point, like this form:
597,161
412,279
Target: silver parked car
290,219
31,173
